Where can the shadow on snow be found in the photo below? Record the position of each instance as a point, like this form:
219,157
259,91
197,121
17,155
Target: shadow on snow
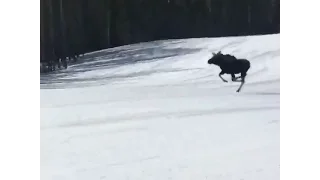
113,58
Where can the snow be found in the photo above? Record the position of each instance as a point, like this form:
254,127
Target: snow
158,111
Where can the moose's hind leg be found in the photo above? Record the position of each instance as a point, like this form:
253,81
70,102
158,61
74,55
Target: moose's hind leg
234,78
243,77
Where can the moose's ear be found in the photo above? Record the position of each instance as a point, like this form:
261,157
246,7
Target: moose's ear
213,54
219,52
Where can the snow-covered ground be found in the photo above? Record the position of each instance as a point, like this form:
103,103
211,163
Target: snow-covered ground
155,111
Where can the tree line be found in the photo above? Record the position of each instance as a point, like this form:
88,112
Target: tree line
69,28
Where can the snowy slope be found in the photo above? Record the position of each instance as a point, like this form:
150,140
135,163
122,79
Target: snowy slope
155,111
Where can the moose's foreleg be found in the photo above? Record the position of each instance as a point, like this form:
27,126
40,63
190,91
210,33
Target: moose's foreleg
220,75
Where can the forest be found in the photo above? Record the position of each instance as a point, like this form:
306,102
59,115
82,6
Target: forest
70,28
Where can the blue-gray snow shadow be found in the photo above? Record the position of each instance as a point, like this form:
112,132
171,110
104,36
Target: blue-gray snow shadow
112,58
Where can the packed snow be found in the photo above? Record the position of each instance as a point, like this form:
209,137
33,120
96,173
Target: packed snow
157,110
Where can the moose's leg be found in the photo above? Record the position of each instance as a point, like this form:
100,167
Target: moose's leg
220,75
234,78
238,77
243,76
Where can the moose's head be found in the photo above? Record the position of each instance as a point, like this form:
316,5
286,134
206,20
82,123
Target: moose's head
215,59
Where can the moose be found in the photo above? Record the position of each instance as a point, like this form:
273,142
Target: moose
231,65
